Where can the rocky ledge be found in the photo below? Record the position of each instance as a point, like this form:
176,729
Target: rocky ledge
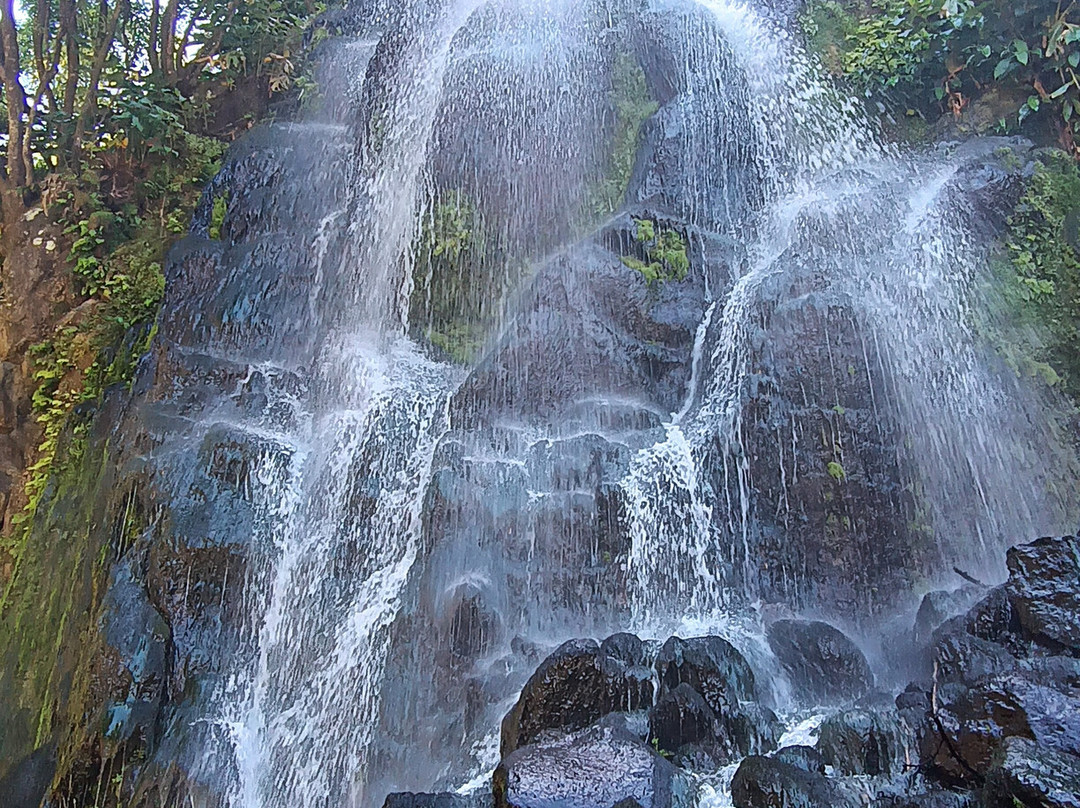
991,720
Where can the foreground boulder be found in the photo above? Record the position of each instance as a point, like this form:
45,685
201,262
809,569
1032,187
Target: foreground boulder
599,767
683,725
710,665
977,720
762,782
856,742
574,687
824,665
1025,773
806,758
1043,588
441,800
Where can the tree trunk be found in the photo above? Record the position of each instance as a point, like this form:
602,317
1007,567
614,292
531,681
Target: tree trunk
70,31
13,93
101,55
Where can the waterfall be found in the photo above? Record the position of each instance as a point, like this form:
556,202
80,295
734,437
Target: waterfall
464,425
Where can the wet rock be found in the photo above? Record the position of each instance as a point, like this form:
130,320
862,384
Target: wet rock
625,647
976,721
1043,589
473,625
682,717
750,729
823,663
928,797
711,666
959,656
596,768
994,620
806,758
1025,773
138,639
939,606
590,328
857,742
684,725
571,689
762,782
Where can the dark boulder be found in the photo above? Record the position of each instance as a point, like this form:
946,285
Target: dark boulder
711,666
972,724
858,742
1028,774
597,768
939,606
994,619
571,689
959,656
929,798
762,782
684,725
824,665
806,758
682,717
625,647
1043,589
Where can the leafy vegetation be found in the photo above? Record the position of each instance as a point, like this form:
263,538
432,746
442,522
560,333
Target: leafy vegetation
633,106
938,55
664,250
454,259
1039,272
117,114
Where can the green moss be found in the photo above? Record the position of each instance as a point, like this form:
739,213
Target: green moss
665,253
633,106
461,343
47,603
455,278
828,25
1037,324
217,215
836,471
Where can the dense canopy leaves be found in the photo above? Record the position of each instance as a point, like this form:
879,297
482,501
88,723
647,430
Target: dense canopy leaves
81,76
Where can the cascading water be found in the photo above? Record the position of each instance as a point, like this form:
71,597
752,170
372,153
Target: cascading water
466,428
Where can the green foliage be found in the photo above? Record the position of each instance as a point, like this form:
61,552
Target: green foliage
1044,287
117,257
836,471
633,106
217,215
828,26
927,53
665,252
452,277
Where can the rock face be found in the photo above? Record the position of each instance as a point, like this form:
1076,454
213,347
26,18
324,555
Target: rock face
1006,696
824,665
